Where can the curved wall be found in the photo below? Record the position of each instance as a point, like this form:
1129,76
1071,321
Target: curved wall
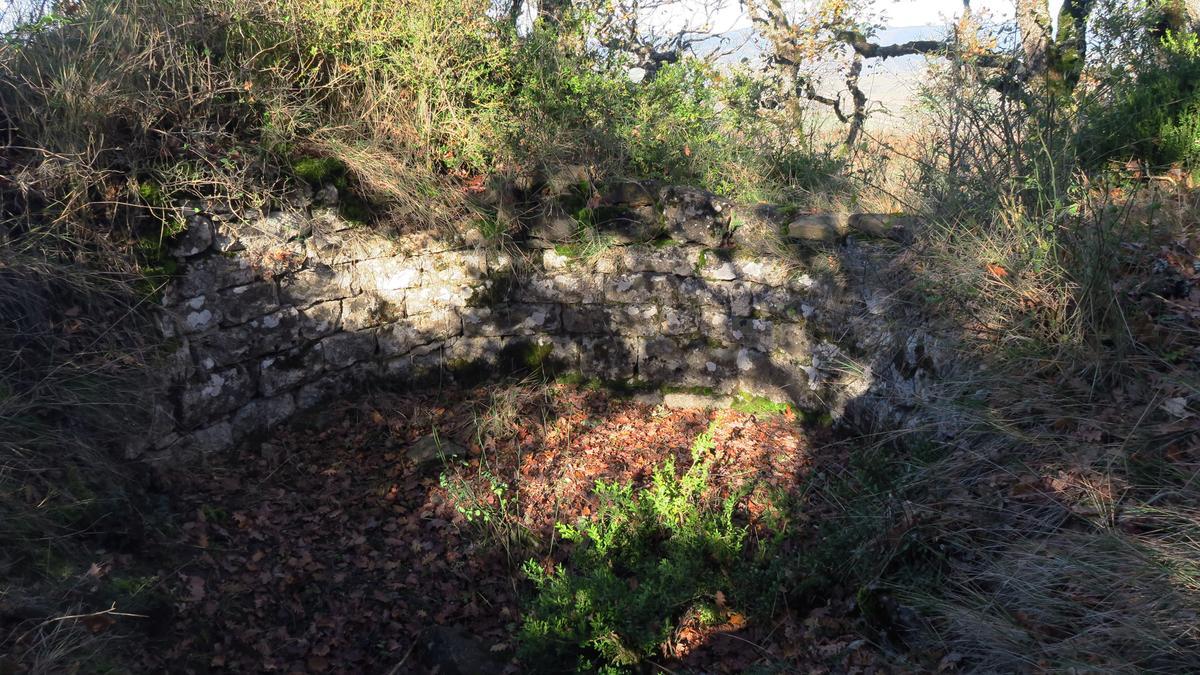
273,315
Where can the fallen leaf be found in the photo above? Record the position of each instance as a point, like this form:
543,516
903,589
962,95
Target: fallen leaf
196,588
97,623
1176,407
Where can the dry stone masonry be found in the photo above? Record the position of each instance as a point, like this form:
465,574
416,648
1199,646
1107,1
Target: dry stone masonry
275,314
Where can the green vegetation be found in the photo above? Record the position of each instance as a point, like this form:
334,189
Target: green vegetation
1154,117
1038,513
640,563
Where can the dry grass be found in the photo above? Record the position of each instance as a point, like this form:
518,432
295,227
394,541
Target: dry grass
1064,515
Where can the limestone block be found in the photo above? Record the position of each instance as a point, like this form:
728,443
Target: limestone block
150,430
685,363
386,274
792,339
678,321
553,261
629,193
311,395
499,262
514,319
553,225
195,315
454,267
678,260
335,242
346,349
282,372
596,319
425,298
462,351
263,414
209,274
225,237
741,298
249,301
772,272
895,226
372,309
738,331
608,357
557,352
782,303
315,284
768,271
202,442
320,319
607,262
581,286
279,225
819,227
422,361
683,400
642,288
433,450
417,330
780,379
271,333
217,393
695,292
629,225
718,269
195,239
694,215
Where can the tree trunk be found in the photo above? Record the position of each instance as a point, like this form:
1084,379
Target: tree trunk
1054,60
1033,22
1176,16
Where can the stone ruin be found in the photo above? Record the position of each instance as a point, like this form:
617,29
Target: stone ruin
273,314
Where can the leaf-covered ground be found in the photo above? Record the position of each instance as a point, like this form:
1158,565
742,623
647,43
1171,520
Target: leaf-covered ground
329,549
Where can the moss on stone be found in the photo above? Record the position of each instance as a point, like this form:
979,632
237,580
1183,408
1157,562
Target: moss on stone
537,355
468,371
752,404
321,170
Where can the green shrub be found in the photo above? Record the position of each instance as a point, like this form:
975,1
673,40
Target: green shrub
639,564
1154,116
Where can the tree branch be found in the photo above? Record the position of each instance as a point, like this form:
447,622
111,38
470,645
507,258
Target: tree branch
872,50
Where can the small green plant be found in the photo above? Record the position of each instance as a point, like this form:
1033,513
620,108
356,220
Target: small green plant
320,170
484,504
639,564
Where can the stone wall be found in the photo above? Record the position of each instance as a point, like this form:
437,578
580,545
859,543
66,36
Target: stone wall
274,314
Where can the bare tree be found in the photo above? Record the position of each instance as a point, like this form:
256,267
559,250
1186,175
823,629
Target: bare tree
1046,61
630,27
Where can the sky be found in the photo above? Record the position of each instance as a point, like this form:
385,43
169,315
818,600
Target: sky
895,13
